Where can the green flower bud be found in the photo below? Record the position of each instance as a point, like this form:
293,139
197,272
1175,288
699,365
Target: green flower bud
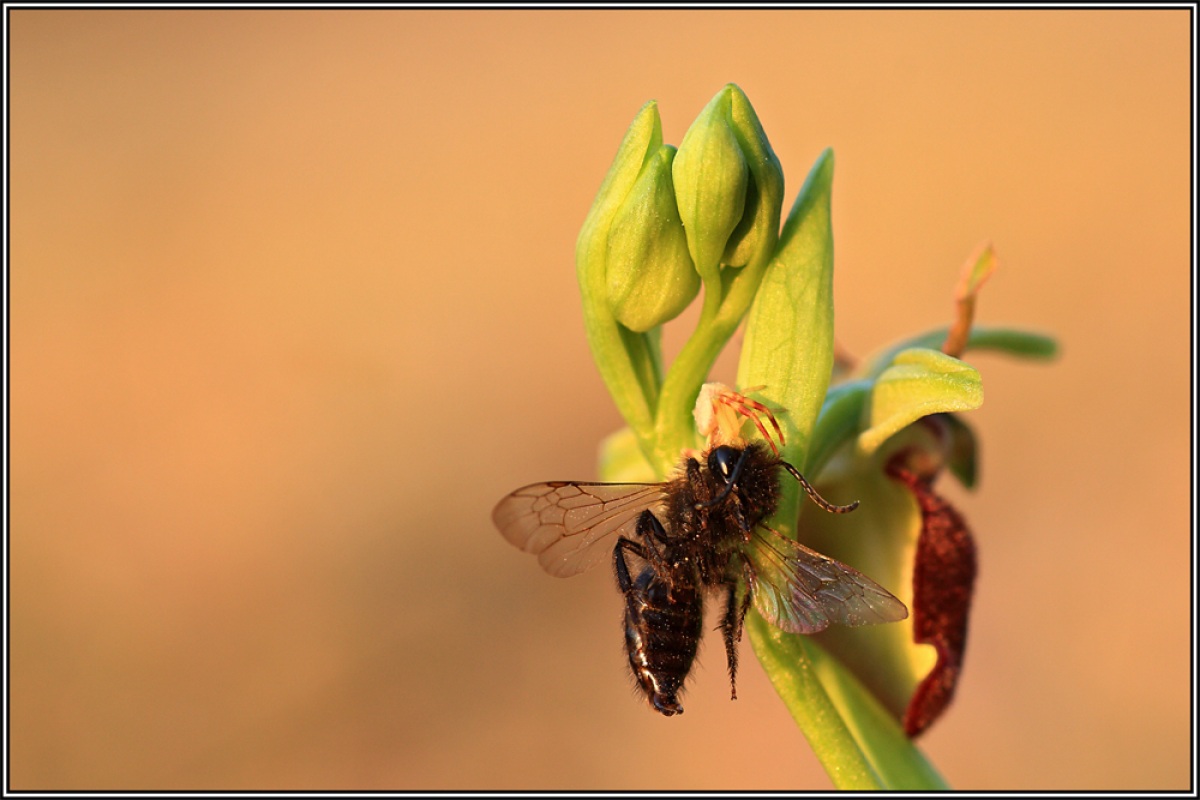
641,142
758,232
629,362
649,273
728,184
711,177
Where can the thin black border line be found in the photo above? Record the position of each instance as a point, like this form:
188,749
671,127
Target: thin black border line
468,6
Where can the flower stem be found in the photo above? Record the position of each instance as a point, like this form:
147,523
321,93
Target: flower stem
860,745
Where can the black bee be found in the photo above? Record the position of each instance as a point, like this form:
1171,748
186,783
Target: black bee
714,538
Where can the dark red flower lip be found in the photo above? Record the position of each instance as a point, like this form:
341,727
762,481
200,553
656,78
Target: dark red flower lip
944,574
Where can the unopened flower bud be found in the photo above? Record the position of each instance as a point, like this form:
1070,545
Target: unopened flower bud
728,184
641,142
628,361
649,274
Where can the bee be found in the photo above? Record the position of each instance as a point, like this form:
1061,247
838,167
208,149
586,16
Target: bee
702,531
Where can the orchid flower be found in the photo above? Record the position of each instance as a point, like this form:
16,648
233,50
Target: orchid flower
668,223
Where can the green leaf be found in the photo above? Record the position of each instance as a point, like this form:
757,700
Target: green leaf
1011,341
918,383
788,347
839,421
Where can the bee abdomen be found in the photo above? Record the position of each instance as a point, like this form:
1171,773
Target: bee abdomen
662,633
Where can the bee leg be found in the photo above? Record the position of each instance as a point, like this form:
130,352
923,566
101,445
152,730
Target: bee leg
743,524
624,579
735,622
731,628
648,525
651,530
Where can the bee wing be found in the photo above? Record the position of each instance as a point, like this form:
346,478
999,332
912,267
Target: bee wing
563,523
801,591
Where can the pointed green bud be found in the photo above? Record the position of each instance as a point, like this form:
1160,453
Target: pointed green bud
641,142
630,362
711,177
756,235
728,184
650,275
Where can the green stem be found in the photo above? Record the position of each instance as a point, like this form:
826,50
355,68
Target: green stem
673,428
896,760
785,658
856,740
626,360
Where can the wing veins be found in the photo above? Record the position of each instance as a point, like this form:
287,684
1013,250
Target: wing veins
838,592
562,521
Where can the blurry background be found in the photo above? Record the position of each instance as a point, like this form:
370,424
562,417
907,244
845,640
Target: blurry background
293,305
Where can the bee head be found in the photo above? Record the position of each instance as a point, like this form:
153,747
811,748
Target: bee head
725,463
722,462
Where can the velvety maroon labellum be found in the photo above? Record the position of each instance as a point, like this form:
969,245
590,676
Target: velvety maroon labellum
943,583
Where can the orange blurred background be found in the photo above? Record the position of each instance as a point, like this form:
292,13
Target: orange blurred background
293,305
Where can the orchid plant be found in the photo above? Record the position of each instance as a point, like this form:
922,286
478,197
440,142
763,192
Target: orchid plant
669,222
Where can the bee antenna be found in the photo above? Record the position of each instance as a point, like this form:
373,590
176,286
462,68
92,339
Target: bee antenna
816,497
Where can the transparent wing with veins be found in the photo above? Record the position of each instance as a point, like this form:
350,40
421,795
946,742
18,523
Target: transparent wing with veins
565,524
801,591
